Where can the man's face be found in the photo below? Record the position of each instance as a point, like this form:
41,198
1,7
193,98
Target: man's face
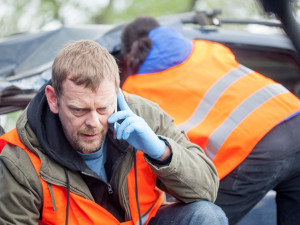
84,113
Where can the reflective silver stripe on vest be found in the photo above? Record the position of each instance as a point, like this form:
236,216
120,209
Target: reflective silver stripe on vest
144,219
212,95
219,136
146,214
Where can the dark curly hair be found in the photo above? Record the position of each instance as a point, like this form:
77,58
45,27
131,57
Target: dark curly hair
135,43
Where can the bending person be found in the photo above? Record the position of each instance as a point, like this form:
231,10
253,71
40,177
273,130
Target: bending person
247,124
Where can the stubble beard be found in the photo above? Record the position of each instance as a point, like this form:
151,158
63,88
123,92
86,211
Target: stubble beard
87,146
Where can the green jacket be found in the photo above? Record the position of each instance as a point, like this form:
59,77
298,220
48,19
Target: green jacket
189,176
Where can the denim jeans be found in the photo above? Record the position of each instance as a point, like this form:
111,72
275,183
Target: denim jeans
274,164
195,213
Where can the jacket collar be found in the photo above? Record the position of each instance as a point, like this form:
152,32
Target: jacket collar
169,48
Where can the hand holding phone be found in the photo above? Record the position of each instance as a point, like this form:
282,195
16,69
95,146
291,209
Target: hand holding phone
135,130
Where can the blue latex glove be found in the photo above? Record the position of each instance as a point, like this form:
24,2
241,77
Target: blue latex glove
136,131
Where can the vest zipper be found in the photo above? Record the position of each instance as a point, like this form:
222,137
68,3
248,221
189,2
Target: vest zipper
110,191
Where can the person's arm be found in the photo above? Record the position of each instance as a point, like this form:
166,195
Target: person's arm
190,175
21,191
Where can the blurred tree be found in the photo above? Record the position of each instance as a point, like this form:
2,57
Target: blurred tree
296,8
33,15
9,20
233,8
121,10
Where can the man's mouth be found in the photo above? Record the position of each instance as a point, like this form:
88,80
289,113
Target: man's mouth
90,136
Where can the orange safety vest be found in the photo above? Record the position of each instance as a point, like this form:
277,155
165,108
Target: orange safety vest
223,106
85,211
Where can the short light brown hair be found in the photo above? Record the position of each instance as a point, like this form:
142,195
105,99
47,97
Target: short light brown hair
86,63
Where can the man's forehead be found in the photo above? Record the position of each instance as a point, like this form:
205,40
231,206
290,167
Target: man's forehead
104,86
105,93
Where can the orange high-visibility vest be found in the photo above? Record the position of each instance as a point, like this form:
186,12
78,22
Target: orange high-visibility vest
85,211
223,106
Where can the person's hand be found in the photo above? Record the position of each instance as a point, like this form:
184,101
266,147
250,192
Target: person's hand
136,131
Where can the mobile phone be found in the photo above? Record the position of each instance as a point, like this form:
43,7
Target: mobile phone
115,123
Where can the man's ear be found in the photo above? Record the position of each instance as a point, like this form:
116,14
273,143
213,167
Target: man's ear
51,99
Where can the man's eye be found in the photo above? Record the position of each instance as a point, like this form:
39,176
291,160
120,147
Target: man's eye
102,110
78,111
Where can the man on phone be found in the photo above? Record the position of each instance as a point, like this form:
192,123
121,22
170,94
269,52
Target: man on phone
62,165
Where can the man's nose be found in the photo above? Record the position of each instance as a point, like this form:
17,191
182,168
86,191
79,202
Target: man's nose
93,119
